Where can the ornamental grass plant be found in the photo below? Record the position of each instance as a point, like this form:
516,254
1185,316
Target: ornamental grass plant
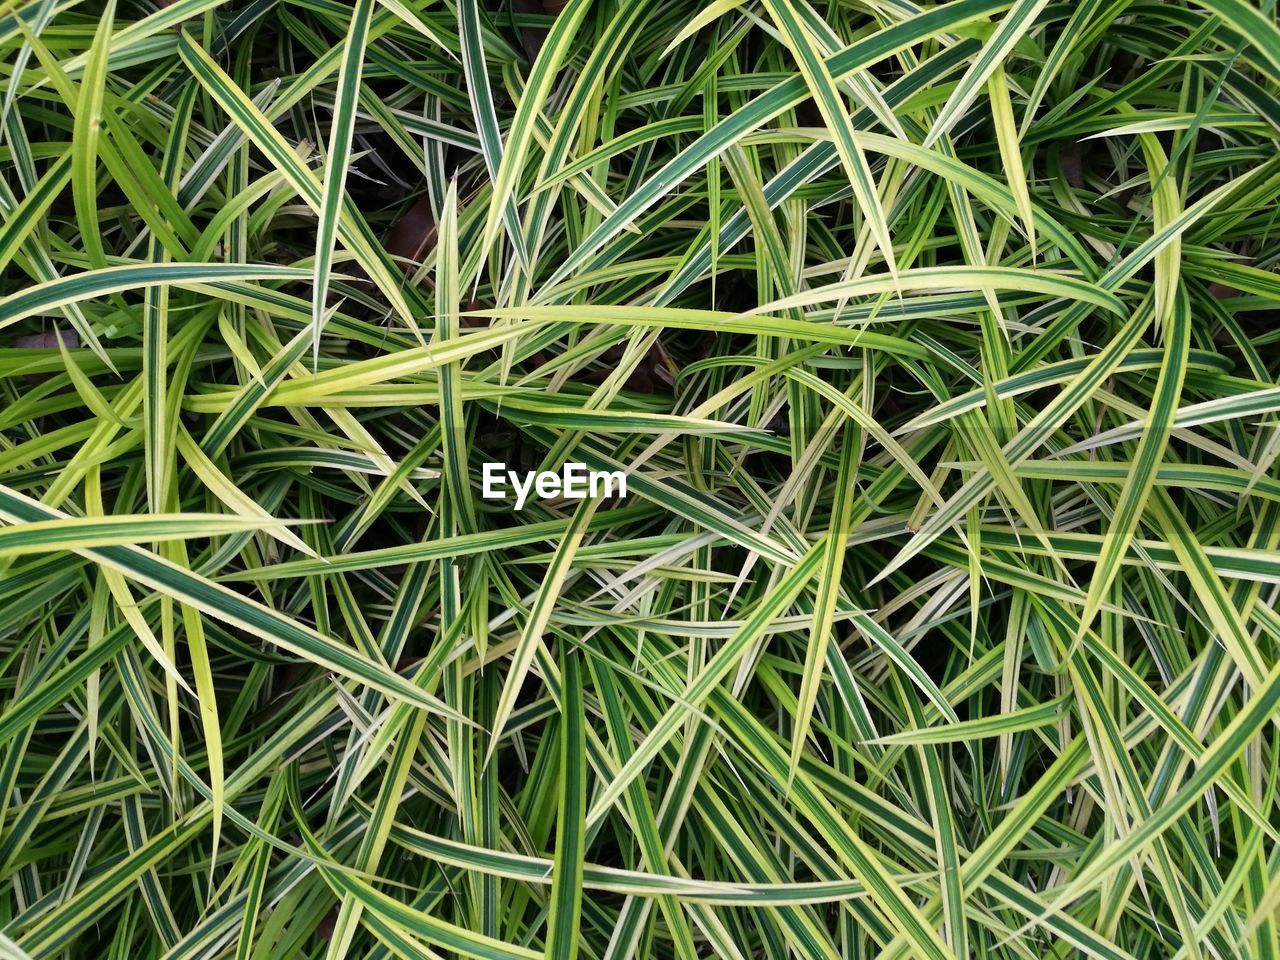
936,346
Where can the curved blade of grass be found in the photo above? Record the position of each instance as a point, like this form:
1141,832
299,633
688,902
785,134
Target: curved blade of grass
337,163
46,298
217,601
836,116
564,915
531,636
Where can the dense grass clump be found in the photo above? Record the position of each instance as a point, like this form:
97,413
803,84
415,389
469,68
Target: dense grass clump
938,346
